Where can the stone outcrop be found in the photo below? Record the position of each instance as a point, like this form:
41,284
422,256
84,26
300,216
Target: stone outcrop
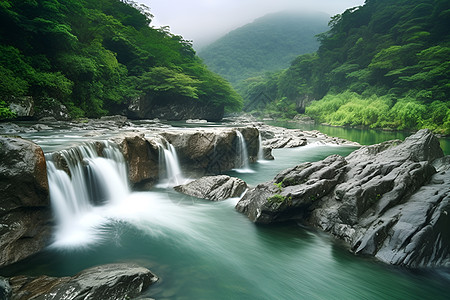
107,282
214,188
279,137
173,109
390,200
212,151
24,204
142,157
23,107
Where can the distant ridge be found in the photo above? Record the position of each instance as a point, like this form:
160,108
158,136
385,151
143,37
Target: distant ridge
267,44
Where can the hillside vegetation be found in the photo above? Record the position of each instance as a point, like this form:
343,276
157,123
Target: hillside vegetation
95,55
269,43
384,64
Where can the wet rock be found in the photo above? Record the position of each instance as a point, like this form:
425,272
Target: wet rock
215,188
5,289
106,282
24,207
390,200
212,151
142,157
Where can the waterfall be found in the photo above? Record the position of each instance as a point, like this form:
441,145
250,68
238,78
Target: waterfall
170,166
242,155
260,149
93,181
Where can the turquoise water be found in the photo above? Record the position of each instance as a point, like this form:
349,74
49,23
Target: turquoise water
362,136
207,250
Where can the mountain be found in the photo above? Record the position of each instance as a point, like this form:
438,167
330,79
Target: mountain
382,65
95,56
269,43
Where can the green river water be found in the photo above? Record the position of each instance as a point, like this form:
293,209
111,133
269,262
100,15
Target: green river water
207,250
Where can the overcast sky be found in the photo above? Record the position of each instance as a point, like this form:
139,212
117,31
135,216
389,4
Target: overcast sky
203,21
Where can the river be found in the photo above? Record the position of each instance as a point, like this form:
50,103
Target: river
207,250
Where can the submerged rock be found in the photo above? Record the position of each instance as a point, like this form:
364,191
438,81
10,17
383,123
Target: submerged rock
106,282
25,206
215,188
390,200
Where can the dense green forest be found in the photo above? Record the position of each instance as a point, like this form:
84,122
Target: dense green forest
269,43
95,55
384,64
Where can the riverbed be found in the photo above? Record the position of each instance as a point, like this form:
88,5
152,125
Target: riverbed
207,250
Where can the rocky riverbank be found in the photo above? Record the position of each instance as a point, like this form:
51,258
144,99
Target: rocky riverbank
390,200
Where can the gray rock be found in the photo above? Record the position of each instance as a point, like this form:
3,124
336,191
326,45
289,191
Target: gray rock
215,188
22,106
106,282
5,289
390,201
24,207
214,150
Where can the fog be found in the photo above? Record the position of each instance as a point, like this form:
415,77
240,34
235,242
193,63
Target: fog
203,21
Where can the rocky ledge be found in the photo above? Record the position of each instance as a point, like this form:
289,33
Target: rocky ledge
390,201
107,282
214,188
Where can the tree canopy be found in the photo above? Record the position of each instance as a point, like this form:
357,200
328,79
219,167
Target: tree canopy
94,55
390,55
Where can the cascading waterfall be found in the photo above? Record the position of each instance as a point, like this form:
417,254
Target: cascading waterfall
242,154
260,149
170,166
93,180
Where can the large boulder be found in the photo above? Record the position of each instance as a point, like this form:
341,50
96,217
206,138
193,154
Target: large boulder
142,157
215,188
106,282
24,204
390,200
212,151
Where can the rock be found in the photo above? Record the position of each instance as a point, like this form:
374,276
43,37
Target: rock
117,120
51,108
25,207
212,151
142,157
215,188
390,200
173,109
5,289
23,107
106,282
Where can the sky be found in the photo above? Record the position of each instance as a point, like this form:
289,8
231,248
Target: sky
203,21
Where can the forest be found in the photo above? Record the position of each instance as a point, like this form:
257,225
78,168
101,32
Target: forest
382,65
269,43
93,56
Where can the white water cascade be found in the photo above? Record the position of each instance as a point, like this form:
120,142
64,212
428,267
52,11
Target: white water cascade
242,155
169,166
260,149
93,181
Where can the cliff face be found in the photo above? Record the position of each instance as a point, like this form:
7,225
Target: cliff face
390,201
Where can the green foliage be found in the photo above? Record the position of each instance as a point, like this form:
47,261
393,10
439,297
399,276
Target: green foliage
94,55
269,43
352,109
277,198
396,48
5,112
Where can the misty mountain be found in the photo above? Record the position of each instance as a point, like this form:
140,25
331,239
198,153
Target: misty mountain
269,43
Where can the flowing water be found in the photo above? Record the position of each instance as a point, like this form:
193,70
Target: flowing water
207,250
